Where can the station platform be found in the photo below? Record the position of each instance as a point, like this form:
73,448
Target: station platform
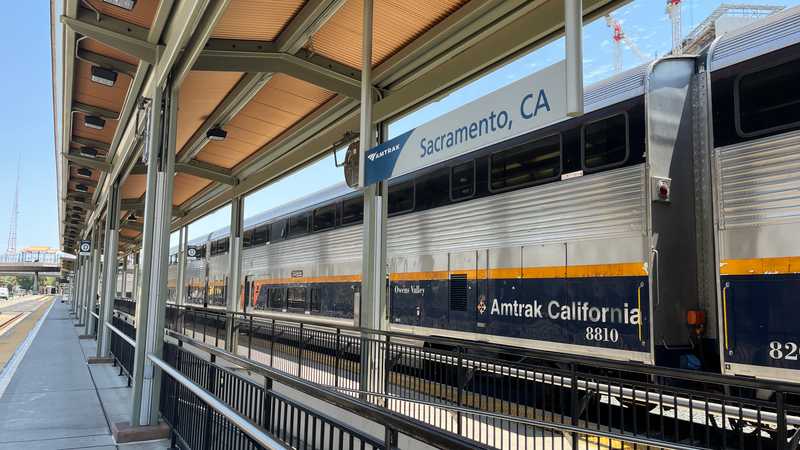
51,398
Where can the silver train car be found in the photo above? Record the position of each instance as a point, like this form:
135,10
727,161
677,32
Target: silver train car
659,227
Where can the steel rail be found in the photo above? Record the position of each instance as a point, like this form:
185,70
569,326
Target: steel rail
119,333
565,381
240,422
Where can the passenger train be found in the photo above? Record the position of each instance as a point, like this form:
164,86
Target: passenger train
662,226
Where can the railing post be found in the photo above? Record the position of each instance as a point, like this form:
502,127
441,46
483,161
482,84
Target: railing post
337,357
386,371
780,410
250,340
390,438
211,383
300,353
461,383
267,406
574,392
272,345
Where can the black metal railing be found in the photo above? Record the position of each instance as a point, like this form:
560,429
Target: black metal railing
489,393
196,426
125,305
121,349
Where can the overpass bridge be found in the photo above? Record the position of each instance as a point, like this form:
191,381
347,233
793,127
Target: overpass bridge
35,264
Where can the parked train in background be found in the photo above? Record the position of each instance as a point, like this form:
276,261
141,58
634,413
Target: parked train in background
660,227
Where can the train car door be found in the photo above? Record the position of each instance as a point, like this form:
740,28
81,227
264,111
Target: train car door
461,290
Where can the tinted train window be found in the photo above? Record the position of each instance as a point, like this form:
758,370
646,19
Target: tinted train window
260,235
316,300
353,211
462,181
324,218
401,197
275,298
298,224
277,231
768,100
296,298
247,239
527,164
605,142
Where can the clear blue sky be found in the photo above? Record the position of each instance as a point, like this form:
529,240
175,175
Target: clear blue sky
26,120
26,124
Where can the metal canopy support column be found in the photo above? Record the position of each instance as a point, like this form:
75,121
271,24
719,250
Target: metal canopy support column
123,289
110,272
94,272
234,271
573,32
181,283
373,281
155,255
77,280
152,147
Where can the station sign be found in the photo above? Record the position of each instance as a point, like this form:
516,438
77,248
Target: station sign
192,252
528,104
85,248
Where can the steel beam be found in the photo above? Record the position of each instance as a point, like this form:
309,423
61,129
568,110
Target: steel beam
86,161
110,272
107,62
86,181
234,272
207,171
95,111
84,142
307,21
115,33
132,204
277,62
135,226
141,393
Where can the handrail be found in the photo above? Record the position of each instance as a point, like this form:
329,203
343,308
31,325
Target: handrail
95,315
240,422
119,333
395,421
595,362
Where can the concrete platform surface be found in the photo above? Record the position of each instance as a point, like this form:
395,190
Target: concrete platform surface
54,400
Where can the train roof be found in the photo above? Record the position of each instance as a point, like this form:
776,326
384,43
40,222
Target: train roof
774,32
316,198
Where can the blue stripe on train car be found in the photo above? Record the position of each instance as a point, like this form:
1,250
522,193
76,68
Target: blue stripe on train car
600,312
763,320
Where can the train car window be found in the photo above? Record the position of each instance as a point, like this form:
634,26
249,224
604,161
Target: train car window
525,165
768,100
462,181
298,224
316,300
432,189
247,239
296,298
605,143
260,235
277,231
353,211
324,218
275,296
401,197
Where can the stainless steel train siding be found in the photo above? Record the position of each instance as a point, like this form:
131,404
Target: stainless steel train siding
756,161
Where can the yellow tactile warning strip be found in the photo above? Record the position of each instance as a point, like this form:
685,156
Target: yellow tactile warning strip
14,337
580,271
760,266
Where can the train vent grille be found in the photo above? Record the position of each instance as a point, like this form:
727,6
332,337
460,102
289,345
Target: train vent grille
458,292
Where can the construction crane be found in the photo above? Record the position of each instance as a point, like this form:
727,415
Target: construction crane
674,12
621,38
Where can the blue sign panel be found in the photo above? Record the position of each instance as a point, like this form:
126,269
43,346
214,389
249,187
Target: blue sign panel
528,104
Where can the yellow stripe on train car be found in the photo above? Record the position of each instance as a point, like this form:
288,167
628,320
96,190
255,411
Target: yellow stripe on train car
760,266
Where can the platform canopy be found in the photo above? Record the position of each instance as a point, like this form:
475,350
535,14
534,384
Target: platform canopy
281,77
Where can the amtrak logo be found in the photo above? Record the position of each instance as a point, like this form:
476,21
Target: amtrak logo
386,151
482,305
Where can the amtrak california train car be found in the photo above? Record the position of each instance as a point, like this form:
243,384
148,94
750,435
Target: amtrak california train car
659,227
755,135
547,241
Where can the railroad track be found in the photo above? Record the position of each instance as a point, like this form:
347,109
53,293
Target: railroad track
8,323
